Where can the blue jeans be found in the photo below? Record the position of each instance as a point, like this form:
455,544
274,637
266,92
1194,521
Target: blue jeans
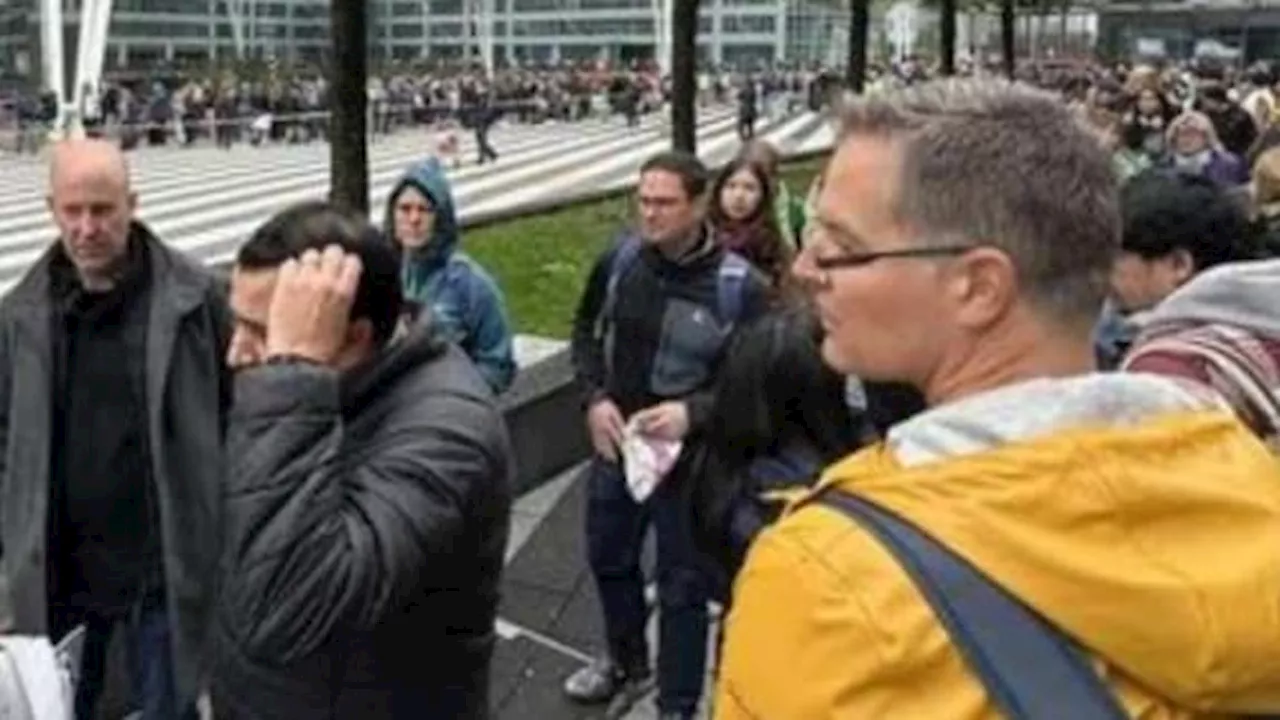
150,659
616,526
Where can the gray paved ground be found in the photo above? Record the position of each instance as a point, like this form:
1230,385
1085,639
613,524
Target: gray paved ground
550,616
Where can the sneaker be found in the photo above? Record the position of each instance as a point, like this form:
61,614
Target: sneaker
630,692
598,682
594,684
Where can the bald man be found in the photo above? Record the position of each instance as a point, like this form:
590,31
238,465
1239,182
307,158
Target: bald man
112,402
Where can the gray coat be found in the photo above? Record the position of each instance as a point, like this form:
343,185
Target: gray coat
187,392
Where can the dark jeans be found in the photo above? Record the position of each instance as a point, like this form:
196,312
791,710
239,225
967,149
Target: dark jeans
150,657
482,143
616,526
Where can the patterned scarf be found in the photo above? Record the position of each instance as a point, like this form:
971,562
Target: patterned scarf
743,237
1241,366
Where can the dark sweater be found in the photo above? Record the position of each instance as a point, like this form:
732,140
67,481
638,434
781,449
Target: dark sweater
661,329
105,546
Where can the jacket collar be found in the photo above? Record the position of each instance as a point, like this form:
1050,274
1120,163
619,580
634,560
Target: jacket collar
175,282
1038,408
410,349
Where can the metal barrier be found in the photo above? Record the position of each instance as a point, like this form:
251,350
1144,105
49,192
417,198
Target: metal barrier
39,134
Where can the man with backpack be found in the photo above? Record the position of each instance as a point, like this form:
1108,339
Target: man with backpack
652,324
1042,541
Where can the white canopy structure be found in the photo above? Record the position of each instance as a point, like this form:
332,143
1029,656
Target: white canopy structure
663,34
91,49
478,24
51,50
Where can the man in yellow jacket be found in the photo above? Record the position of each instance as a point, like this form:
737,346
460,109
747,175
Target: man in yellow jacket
962,243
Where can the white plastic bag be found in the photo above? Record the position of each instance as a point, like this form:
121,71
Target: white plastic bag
646,460
38,680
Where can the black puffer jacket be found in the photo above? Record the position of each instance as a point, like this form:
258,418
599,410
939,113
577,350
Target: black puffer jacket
367,517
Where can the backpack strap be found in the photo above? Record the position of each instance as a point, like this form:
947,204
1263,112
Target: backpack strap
1029,668
625,253
731,281
626,250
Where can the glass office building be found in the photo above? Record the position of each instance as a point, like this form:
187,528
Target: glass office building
143,32
1176,29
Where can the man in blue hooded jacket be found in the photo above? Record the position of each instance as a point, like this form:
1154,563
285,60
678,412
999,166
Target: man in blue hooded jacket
462,301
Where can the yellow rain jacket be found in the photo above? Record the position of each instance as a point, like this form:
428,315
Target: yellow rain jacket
1154,542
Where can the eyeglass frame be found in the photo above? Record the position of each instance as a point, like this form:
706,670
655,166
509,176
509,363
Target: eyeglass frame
861,259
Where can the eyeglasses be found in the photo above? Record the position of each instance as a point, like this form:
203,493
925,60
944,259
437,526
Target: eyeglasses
859,259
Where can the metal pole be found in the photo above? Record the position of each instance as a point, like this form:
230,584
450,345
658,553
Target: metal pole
486,36
663,46
84,49
101,28
51,47
468,30
235,17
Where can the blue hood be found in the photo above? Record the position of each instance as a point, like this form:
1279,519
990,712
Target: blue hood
429,178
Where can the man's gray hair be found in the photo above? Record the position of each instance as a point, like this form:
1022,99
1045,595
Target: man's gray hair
1001,164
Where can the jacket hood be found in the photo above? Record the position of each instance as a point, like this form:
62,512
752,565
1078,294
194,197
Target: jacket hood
1243,295
1127,509
428,177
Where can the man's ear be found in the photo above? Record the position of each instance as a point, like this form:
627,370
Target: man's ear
988,287
1182,265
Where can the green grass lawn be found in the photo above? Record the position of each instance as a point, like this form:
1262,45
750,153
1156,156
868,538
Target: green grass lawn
541,262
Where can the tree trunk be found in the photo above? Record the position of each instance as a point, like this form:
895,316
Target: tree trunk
684,81
859,29
348,152
947,36
1008,26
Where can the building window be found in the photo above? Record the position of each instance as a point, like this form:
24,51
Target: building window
274,10
446,29
615,4
748,56
143,29
406,31
582,28
748,24
307,10
444,7
535,5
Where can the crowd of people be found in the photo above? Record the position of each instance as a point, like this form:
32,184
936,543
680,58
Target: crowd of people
982,423
293,107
